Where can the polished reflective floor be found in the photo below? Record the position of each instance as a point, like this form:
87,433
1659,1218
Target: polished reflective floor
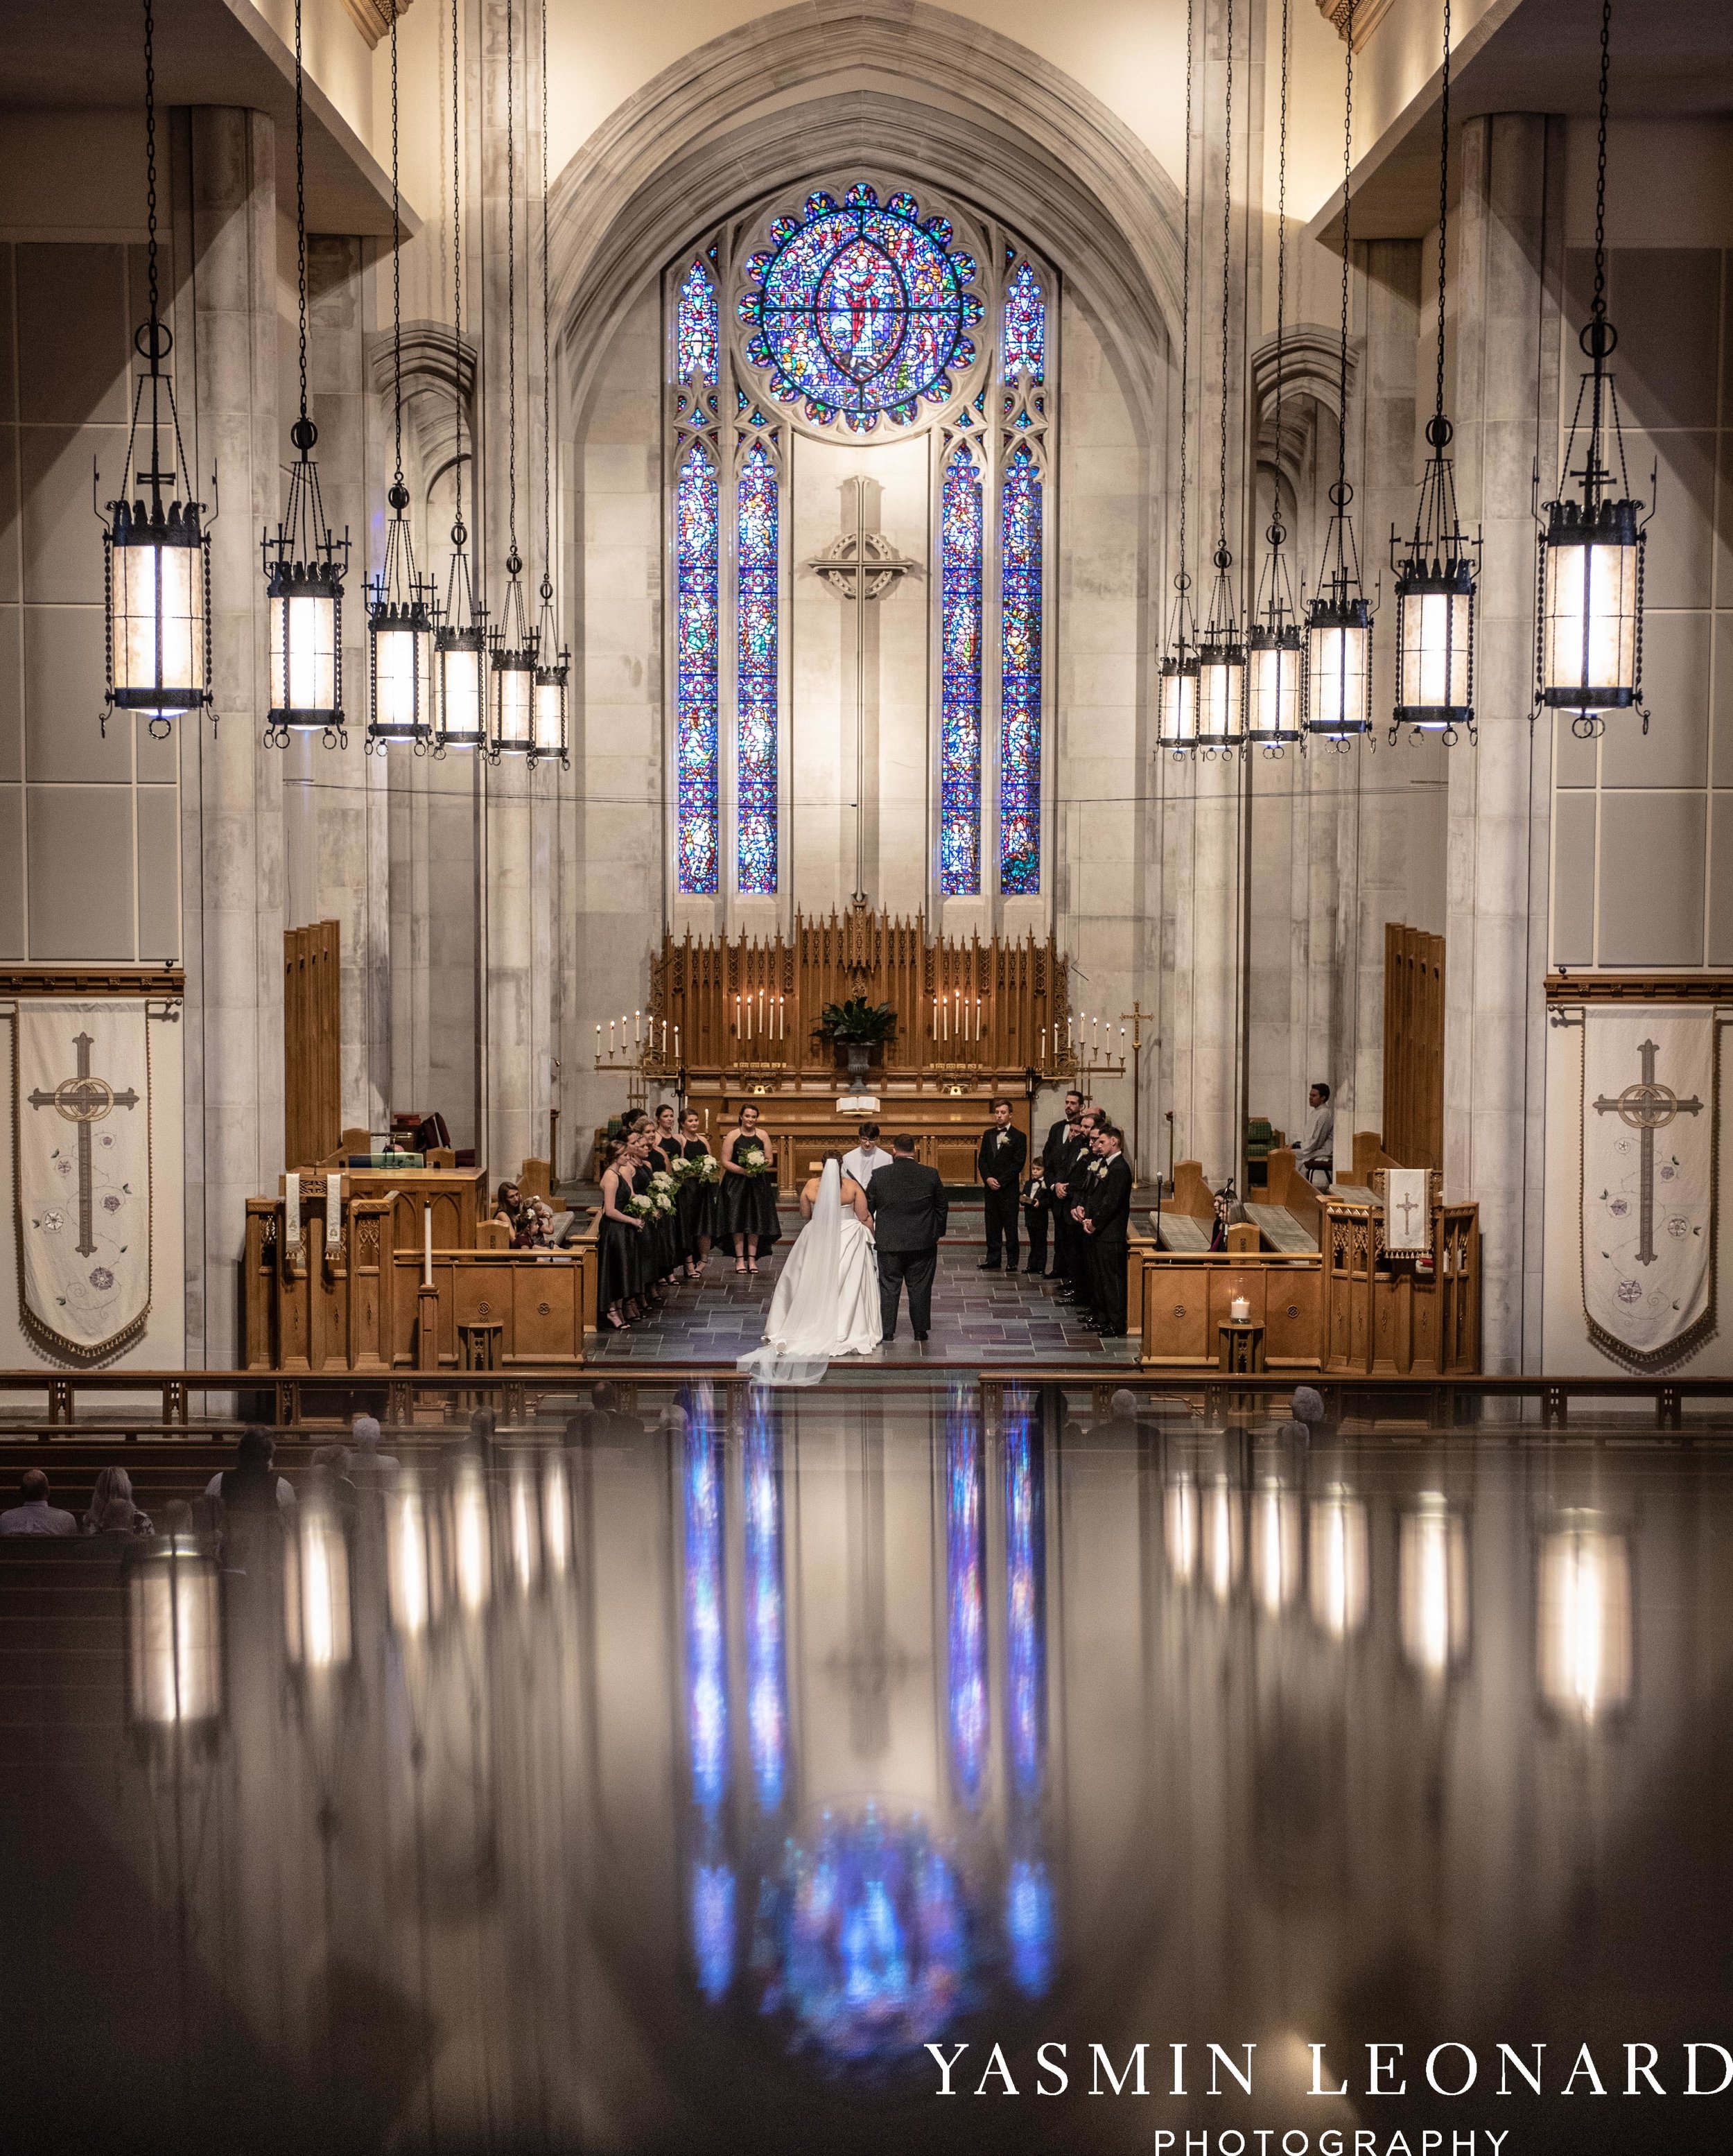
677,1789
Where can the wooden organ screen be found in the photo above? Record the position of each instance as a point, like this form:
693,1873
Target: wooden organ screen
1413,1046
312,1043
744,1004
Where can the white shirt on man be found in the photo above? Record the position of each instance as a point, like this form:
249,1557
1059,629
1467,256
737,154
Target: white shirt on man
37,1516
1319,1147
863,1160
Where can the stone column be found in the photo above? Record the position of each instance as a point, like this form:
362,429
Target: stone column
231,787
1508,259
508,1122
1377,871
336,840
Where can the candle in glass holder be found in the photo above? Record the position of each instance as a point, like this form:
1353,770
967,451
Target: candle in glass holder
1239,1310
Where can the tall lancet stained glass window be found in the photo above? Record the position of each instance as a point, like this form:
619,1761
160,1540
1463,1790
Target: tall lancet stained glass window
960,540
696,535
1025,325
697,328
758,526
1020,636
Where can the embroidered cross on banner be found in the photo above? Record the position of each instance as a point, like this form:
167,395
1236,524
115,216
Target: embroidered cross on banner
1407,1209
84,1100
1647,1106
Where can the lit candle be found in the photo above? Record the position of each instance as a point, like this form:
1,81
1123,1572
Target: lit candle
1068,1028
610,1035
664,1039
637,1027
427,1245
676,1043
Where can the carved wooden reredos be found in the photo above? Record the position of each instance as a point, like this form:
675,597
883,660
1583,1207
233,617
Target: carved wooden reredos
997,1006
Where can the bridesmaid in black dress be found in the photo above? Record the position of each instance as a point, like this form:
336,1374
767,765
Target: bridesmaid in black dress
665,1152
653,1252
618,1263
697,1212
749,1202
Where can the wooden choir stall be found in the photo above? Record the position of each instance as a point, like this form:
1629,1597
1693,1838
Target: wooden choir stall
389,1270
1308,1281
738,1019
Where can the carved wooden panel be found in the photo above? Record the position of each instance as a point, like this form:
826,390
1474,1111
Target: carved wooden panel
312,1043
1413,1046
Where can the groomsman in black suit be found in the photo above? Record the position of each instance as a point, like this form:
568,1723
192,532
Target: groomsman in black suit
907,1204
1058,1137
1106,1215
1075,1163
999,1163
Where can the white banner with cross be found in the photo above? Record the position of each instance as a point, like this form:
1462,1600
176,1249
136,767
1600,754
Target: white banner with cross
1650,1141
81,1151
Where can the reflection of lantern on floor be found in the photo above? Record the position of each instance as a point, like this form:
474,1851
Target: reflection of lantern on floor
1340,1582
1584,1650
1276,1547
317,1631
174,1636
1180,1528
1432,1585
471,1540
555,1514
1224,1539
414,1561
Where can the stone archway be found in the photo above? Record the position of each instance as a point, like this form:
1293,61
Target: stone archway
835,81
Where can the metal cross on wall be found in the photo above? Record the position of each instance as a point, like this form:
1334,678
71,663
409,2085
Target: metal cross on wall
1647,1106
84,1100
860,565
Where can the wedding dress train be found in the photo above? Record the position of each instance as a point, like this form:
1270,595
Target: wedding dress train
827,1300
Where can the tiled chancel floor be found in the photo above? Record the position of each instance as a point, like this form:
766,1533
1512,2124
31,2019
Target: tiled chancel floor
977,1317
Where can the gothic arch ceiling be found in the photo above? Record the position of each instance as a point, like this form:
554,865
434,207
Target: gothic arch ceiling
911,89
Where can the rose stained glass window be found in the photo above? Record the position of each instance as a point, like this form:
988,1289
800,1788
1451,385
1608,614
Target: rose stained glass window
1025,345
960,539
696,533
858,308
697,328
1020,675
756,730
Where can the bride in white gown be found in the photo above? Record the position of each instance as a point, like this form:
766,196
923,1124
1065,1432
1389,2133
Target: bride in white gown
827,1300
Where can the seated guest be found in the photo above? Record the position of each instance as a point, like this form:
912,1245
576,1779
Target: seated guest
1317,1155
509,1212
111,1501
35,1516
364,1456
251,1484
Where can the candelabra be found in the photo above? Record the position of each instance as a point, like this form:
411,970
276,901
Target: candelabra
647,1053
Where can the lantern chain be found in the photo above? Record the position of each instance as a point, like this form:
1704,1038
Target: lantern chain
456,296
1599,308
1341,411
1281,266
1184,579
300,206
547,393
151,156
1227,275
397,260
510,285
1444,210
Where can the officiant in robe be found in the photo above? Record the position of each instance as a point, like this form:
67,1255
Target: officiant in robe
1107,1213
999,1162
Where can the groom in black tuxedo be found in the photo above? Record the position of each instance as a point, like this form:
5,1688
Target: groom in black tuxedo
907,1204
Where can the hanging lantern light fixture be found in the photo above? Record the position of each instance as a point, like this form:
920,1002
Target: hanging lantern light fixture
1436,578
512,699
1176,705
1221,655
1339,621
306,563
1589,626
553,661
460,640
157,551
1275,691
400,629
